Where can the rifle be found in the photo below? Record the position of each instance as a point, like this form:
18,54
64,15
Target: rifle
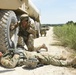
12,51
9,52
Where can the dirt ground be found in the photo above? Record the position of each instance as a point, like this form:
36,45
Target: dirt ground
49,40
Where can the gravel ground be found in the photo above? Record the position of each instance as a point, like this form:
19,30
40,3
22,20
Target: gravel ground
47,69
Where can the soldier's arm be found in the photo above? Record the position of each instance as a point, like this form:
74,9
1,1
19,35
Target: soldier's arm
31,31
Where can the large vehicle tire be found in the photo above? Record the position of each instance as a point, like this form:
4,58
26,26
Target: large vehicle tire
8,38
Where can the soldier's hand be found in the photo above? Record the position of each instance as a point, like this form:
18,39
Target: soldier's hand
13,26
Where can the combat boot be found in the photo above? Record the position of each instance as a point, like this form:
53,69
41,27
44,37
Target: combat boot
44,46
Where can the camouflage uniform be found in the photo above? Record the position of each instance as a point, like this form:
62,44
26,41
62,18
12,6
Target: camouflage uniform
25,37
9,61
26,34
33,59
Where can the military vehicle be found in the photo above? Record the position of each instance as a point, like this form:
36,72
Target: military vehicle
43,30
10,12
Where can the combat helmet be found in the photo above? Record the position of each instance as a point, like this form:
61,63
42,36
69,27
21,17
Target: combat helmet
24,16
31,62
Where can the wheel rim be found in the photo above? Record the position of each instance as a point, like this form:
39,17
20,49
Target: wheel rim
12,35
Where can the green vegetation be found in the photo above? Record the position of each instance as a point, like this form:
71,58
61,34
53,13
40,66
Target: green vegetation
67,34
51,24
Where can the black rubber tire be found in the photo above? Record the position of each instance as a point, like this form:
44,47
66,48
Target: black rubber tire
7,41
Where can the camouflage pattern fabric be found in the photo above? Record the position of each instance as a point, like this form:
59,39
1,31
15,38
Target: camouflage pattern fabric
20,41
26,37
22,31
9,62
40,58
30,43
46,58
